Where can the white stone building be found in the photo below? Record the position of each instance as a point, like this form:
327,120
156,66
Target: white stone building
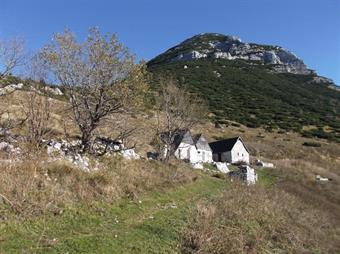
185,148
231,150
204,151
194,149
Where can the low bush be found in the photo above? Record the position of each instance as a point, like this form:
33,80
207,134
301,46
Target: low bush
312,144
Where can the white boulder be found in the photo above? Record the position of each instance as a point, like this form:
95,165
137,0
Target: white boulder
261,163
222,167
197,165
322,179
55,91
130,154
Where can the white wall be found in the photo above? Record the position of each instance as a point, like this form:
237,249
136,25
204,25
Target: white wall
239,153
187,152
204,156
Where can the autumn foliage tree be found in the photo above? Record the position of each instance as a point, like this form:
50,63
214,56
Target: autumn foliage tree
100,77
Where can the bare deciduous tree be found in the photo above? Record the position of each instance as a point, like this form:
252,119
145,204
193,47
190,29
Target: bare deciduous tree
100,77
8,119
178,110
37,114
11,55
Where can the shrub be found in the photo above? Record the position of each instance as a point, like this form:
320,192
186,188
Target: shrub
312,144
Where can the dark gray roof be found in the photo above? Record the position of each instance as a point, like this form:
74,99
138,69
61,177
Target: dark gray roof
225,145
179,137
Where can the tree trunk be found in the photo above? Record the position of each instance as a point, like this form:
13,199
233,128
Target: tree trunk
86,141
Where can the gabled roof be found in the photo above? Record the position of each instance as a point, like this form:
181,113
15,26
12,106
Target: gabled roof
225,145
201,143
196,137
181,136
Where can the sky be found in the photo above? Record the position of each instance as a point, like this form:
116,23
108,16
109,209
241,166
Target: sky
309,28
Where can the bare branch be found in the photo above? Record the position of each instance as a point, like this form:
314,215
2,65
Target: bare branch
11,55
178,111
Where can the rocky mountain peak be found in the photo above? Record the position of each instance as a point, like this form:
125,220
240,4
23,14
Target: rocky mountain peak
219,46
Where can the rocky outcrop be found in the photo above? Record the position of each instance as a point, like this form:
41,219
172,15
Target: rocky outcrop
10,88
219,46
70,151
45,89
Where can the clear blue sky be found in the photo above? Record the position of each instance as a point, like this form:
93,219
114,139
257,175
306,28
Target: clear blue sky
309,28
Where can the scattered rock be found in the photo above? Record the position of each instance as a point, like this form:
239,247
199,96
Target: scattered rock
245,174
152,156
222,167
53,90
103,145
173,206
67,151
197,165
10,88
264,164
322,179
9,148
129,154
70,151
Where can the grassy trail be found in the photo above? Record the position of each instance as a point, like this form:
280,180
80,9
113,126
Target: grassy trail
148,225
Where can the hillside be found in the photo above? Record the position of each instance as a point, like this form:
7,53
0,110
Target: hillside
256,85
146,206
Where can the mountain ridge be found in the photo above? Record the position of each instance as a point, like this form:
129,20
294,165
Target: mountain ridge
219,46
252,92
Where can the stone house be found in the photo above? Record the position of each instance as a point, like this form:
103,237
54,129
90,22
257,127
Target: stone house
231,150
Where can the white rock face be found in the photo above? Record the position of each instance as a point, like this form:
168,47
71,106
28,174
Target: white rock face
191,56
271,58
223,55
220,46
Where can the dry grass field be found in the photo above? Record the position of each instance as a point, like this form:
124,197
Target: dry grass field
290,212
